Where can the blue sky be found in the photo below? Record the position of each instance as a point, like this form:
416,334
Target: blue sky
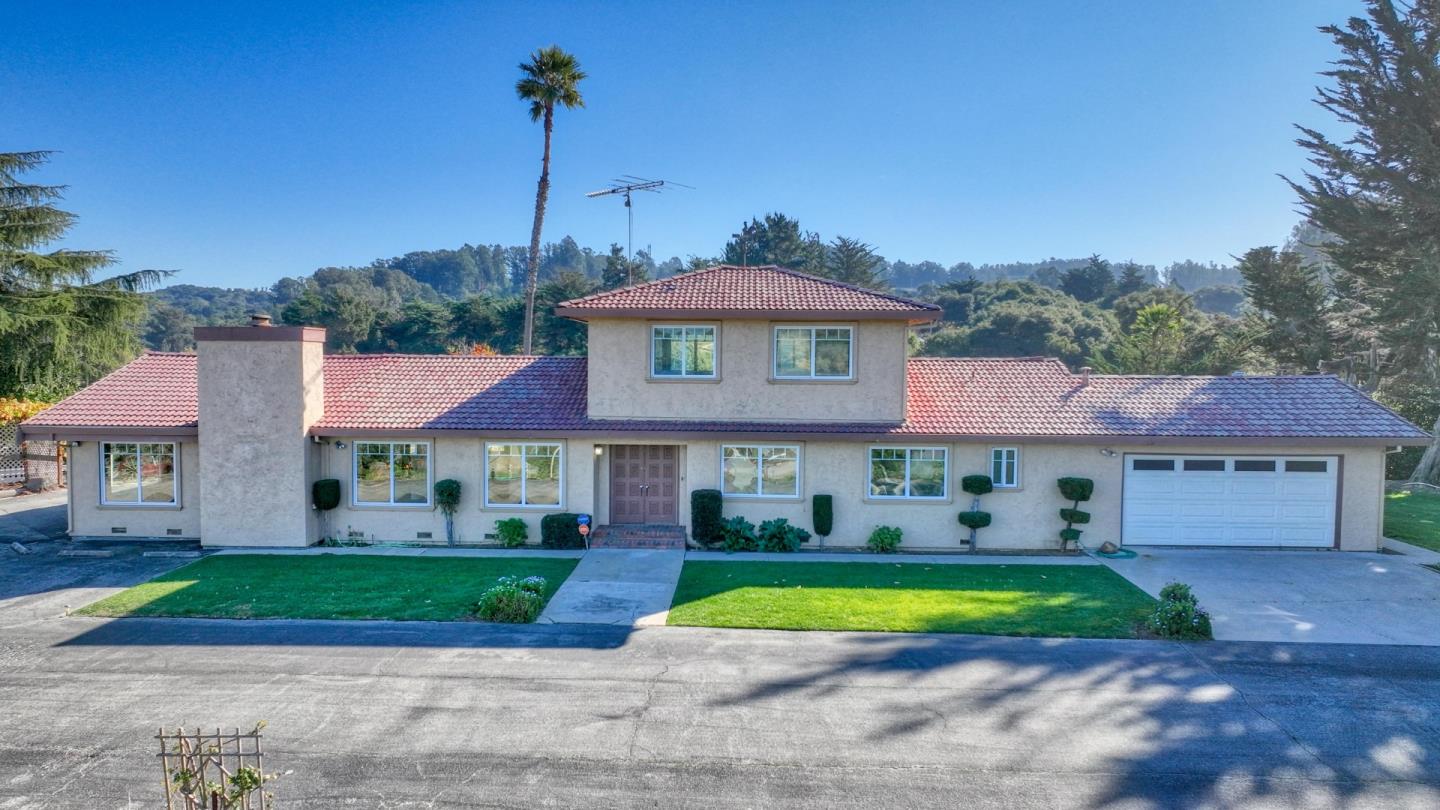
240,142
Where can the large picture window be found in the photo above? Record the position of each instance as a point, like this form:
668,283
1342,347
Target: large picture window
760,470
523,474
138,474
917,473
682,351
813,352
392,474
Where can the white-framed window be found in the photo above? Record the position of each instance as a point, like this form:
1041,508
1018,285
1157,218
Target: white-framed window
814,352
1005,466
913,473
391,474
139,474
682,351
760,470
524,474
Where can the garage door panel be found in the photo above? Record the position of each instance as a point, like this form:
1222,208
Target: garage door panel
1262,501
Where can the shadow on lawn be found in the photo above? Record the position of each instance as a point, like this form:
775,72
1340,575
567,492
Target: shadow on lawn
1164,724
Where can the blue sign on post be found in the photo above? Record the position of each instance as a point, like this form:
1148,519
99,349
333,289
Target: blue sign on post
583,520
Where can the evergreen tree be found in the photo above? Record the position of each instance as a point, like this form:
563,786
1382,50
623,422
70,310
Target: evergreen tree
621,272
1290,309
61,328
1378,190
854,262
1091,282
776,240
1132,279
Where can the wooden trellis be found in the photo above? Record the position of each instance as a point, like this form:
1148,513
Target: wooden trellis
213,771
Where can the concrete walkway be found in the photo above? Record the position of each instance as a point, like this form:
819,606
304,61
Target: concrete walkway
33,518
629,587
926,559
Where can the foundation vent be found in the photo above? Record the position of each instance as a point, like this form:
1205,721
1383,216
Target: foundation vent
117,530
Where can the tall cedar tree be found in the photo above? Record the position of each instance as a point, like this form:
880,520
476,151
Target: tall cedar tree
1378,191
620,271
1091,282
777,240
854,262
551,77
1290,309
61,328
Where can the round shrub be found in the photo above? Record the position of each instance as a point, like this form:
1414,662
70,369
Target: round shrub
512,600
1076,489
1074,516
977,484
974,520
512,531
325,493
561,530
884,540
1179,614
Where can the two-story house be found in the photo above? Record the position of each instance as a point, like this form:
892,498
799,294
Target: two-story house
769,385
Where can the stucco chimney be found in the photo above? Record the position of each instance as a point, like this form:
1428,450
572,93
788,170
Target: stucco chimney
261,388
1085,375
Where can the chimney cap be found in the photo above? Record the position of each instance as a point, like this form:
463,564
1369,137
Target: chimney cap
259,319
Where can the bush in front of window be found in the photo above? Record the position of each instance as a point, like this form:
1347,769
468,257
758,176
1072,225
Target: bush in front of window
512,600
1179,614
822,512
779,535
512,532
705,516
325,494
975,519
884,540
561,530
1077,490
738,534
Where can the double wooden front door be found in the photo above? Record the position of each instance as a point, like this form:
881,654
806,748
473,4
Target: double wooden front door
643,483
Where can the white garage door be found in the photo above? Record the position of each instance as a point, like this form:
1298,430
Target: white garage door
1230,500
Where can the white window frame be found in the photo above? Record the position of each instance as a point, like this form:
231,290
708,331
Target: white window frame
1014,458
870,467
485,471
685,373
760,472
812,328
391,504
139,487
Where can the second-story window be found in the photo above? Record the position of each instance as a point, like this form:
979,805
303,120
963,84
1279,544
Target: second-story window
682,351
813,352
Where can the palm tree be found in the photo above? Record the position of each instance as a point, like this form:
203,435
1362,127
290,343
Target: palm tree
551,77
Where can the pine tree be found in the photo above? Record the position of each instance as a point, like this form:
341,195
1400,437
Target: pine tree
1290,309
1378,191
60,326
1091,282
854,262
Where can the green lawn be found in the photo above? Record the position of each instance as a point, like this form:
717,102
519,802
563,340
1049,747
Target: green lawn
1413,517
1008,600
327,586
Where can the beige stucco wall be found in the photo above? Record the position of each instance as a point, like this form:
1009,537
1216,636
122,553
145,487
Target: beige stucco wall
1024,518
257,399
460,458
620,385
88,518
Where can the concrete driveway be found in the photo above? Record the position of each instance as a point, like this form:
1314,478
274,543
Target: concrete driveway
1312,596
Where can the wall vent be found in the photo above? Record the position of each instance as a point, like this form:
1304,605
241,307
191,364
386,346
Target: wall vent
117,530
422,535
173,532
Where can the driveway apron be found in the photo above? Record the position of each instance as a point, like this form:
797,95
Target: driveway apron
631,587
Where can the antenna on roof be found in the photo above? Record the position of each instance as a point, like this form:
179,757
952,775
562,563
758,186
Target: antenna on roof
625,185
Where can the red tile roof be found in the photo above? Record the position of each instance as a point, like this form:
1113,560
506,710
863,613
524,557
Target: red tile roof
767,291
960,397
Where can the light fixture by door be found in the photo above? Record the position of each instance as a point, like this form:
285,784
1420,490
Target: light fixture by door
1108,453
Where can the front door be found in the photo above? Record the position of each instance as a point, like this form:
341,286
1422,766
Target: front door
643,483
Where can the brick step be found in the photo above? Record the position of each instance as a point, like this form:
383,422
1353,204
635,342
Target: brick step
656,537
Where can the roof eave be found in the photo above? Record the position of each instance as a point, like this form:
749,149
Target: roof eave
39,432
669,313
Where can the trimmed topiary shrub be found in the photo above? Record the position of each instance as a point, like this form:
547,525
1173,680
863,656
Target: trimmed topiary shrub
738,534
884,540
512,532
561,530
1077,490
1179,614
325,494
977,484
447,497
705,516
512,600
779,535
822,512
975,519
